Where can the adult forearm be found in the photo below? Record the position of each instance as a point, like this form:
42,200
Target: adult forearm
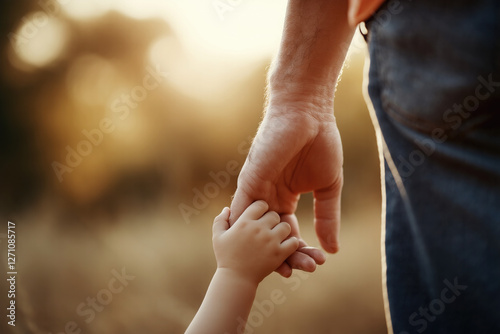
226,305
312,50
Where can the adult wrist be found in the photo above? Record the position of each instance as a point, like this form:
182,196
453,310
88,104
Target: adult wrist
307,92
290,101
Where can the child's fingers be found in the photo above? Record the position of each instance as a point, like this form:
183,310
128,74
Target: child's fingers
254,211
282,230
221,222
289,246
271,219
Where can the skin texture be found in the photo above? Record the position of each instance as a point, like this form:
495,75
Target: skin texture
255,245
298,148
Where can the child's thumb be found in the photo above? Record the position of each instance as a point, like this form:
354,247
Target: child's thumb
221,222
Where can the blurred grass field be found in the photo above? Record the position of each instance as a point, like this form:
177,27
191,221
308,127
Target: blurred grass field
173,262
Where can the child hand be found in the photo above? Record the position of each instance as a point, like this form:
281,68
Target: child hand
255,245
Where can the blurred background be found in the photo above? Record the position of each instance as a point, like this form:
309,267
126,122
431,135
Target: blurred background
123,126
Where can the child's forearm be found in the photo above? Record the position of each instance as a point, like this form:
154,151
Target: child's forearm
226,305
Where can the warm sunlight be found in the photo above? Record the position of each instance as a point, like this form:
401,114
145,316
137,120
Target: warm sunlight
126,125
242,28
216,37
39,40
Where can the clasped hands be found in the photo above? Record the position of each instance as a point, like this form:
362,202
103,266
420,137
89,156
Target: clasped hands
297,150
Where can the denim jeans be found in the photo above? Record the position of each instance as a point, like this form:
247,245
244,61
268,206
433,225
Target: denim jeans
434,86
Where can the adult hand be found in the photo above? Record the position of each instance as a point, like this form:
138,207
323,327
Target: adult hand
297,150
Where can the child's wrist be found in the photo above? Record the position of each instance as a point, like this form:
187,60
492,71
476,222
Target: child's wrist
236,277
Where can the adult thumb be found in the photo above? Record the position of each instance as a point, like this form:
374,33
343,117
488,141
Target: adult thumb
327,216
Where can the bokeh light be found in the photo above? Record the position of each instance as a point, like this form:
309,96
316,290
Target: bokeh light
39,40
91,79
